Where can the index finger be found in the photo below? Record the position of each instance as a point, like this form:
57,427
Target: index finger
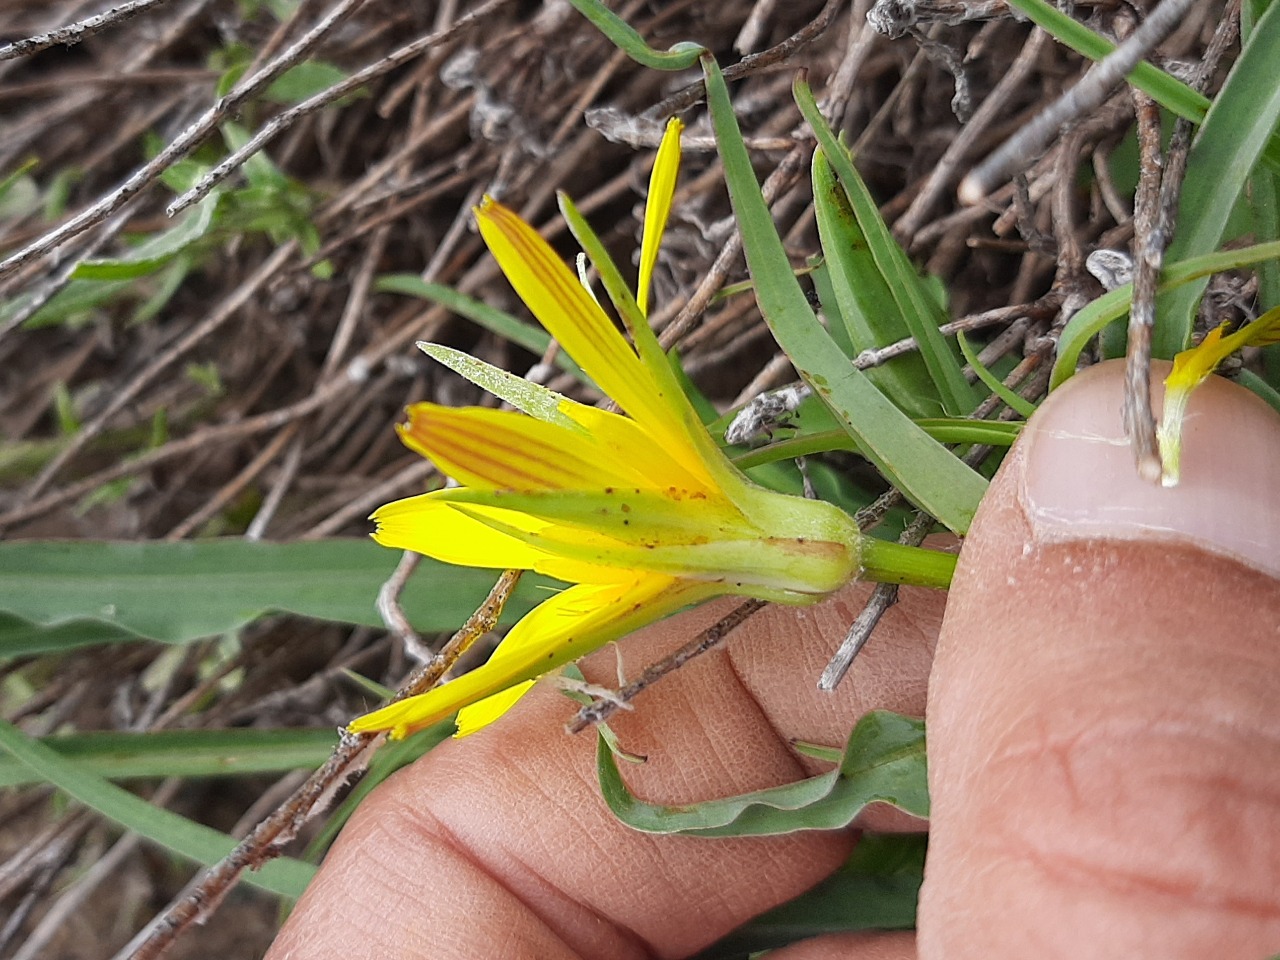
500,844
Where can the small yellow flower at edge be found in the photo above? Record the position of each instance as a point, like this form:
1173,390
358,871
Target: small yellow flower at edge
1190,369
640,513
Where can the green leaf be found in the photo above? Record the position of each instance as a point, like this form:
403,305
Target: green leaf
178,592
943,429
924,470
204,845
876,888
916,306
858,300
1237,127
1090,321
534,339
304,81
884,762
180,753
1170,93
72,303
1025,407
150,256
682,56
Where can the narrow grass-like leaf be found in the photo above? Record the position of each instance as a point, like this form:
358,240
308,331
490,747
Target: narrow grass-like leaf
929,475
682,56
155,252
1239,123
1170,93
883,762
917,307
1111,306
944,430
1251,381
531,338
858,301
876,888
1025,407
180,753
178,592
203,845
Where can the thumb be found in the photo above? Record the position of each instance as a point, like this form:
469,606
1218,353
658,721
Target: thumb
1104,724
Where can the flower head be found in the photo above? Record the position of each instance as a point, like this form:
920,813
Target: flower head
639,511
1190,369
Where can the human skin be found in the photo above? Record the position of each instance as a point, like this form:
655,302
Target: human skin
1104,743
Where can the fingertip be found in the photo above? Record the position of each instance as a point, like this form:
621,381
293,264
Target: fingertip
1104,735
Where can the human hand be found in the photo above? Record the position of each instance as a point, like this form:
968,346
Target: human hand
1104,743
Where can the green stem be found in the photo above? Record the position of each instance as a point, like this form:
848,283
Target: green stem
887,562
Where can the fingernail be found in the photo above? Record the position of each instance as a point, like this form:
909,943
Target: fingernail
1079,481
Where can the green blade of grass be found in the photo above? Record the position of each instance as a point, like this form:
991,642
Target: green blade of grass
158,250
916,306
942,429
117,755
682,56
531,338
1236,129
1169,92
924,470
179,592
193,841
1090,321
1025,407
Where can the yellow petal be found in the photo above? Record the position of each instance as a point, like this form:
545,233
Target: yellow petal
569,313
483,712
437,529
564,628
662,187
1190,369
504,450
632,515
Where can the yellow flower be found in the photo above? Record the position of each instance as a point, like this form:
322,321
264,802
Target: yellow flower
641,513
1190,369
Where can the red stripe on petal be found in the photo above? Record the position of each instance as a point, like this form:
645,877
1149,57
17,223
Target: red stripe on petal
502,450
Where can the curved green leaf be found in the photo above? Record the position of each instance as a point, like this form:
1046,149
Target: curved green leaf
682,56
1091,320
883,762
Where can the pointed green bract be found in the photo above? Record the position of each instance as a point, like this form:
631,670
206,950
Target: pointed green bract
525,395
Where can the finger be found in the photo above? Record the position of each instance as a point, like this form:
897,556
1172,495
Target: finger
500,844
1103,721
